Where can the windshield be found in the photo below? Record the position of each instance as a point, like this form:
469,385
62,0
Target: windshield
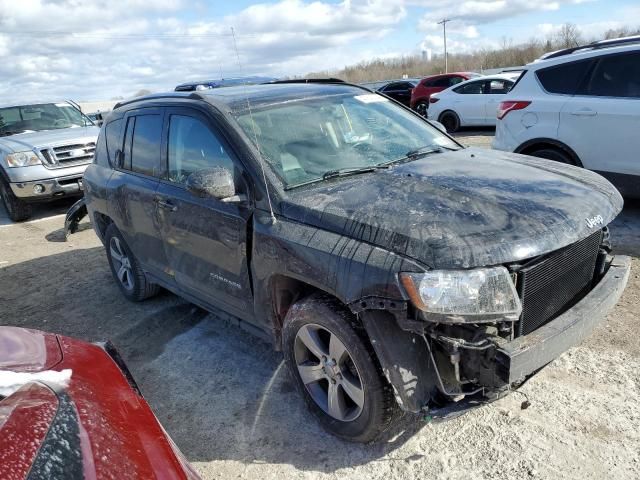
305,139
45,116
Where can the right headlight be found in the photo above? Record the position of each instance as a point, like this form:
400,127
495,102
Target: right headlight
464,296
22,159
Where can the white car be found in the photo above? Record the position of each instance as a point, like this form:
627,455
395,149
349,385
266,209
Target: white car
470,103
579,106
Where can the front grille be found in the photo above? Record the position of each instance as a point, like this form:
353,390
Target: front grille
550,285
68,155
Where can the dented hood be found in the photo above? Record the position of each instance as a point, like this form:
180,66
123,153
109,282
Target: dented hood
462,209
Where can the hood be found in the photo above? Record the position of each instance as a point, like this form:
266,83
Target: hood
45,138
462,209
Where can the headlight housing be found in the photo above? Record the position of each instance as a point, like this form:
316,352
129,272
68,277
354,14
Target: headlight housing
22,159
464,296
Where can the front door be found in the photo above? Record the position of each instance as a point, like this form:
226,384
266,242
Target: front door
205,239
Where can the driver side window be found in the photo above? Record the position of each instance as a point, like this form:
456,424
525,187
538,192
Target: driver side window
192,147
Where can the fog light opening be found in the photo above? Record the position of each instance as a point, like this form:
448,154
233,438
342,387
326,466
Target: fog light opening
38,188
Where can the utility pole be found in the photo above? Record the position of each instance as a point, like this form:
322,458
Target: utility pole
444,30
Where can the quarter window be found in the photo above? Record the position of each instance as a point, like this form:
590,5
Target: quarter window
564,78
193,147
112,134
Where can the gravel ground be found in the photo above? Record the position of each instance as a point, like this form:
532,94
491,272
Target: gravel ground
227,401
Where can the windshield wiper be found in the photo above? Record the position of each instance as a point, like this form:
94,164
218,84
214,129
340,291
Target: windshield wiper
419,153
341,172
345,172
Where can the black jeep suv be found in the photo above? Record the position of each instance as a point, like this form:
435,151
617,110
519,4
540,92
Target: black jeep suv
394,268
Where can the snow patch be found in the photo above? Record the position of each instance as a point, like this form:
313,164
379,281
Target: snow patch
13,381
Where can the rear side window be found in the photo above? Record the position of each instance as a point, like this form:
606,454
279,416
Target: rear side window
615,76
473,88
565,78
193,147
145,146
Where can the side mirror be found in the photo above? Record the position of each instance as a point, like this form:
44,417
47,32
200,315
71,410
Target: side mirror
216,182
438,125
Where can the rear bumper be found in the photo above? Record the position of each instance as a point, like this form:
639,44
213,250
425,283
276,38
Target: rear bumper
518,359
42,190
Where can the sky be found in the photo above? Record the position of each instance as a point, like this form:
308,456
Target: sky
98,50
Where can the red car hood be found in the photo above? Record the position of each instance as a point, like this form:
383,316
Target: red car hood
96,425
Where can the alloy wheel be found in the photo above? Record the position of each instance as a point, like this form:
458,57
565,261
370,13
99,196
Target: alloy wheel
328,372
121,263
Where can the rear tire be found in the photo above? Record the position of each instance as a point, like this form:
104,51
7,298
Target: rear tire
126,270
554,154
343,384
450,120
17,209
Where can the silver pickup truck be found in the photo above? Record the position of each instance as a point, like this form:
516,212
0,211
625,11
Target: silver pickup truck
44,150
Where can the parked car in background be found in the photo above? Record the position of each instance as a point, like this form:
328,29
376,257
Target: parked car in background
97,117
579,106
393,267
399,90
222,82
71,410
44,150
470,103
436,83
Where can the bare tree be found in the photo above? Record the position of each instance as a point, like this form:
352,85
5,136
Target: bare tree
569,36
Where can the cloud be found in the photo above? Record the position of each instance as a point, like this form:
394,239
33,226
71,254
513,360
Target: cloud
478,12
98,50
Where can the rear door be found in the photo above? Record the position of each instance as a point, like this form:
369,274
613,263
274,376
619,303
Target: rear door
602,121
138,168
469,103
205,239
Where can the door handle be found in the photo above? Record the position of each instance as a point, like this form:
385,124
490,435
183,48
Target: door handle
166,204
584,112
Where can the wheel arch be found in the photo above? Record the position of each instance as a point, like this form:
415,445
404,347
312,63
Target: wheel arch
532,145
284,291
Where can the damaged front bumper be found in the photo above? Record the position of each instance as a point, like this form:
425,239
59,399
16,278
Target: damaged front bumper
429,368
519,358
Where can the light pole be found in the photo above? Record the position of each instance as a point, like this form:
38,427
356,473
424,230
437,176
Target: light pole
443,22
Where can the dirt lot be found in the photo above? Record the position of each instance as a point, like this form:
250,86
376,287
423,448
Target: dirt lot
229,405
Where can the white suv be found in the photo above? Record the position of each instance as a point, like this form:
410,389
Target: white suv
579,106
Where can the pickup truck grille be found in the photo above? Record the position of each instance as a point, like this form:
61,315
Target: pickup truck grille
550,285
68,155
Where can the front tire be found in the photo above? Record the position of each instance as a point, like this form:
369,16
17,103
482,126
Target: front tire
126,270
17,210
336,371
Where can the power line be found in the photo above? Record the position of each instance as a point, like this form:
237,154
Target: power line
444,22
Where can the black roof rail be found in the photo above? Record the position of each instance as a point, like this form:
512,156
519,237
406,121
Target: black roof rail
307,80
616,42
159,96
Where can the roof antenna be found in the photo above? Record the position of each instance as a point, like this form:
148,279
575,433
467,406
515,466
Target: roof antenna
253,127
